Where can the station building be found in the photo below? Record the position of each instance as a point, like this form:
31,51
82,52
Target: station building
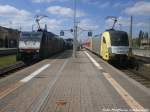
8,37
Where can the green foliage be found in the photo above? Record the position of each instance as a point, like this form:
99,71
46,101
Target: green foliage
7,60
142,35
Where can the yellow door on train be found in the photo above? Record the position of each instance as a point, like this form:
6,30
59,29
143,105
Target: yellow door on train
105,39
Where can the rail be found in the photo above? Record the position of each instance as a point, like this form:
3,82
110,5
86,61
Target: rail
11,68
143,59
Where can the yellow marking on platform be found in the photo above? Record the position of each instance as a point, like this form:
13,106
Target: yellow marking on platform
61,103
10,89
124,94
135,106
13,87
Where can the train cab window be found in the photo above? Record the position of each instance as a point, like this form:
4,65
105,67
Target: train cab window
119,39
104,41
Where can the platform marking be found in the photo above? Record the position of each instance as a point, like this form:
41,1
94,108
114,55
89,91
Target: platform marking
28,78
10,89
13,87
35,107
124,94
135,106
94,62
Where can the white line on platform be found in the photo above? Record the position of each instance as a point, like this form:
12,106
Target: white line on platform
26,79
94,62
35,107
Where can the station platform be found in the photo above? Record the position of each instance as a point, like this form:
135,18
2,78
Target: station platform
65,84
143,53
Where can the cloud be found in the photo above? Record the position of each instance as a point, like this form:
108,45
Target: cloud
63,11
88,24
123,21
142,25
52,23
123,4
16,18
139,8
43,1
104,5
13,17
10,11
108,23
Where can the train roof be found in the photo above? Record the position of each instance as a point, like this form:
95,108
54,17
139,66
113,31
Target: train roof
38,32
112,31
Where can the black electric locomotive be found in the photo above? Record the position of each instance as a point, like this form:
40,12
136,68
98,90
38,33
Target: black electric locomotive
39,45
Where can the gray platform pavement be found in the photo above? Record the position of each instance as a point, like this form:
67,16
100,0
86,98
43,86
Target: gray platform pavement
65,84
143,53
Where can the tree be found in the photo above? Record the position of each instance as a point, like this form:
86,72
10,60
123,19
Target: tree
140,37
146,35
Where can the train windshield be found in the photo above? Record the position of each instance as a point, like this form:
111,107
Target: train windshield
119,39
31,36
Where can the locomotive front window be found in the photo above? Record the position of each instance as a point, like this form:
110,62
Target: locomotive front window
31,36
119,39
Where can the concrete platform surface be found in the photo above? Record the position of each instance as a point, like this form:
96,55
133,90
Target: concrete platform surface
66,84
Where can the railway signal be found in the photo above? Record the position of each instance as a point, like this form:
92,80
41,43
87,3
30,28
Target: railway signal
89,33
62,33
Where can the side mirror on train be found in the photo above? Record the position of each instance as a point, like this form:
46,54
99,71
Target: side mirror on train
62,33
90,34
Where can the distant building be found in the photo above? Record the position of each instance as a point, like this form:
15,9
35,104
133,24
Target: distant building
145,42
8,37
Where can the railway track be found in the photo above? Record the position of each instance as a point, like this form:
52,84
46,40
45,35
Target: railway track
11,68
143,59
138,77
140,72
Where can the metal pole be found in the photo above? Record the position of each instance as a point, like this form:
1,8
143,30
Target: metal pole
75,36
131,25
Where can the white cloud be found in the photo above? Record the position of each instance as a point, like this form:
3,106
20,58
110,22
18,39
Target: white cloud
109,23
63,11
142,25
88,24
124,22
139,8
10,11
52,23
42,1
38,11
16,18
13,17
104,5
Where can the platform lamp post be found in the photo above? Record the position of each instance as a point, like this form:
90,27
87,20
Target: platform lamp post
75,31
130,36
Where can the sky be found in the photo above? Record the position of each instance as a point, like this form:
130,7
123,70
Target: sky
91,15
